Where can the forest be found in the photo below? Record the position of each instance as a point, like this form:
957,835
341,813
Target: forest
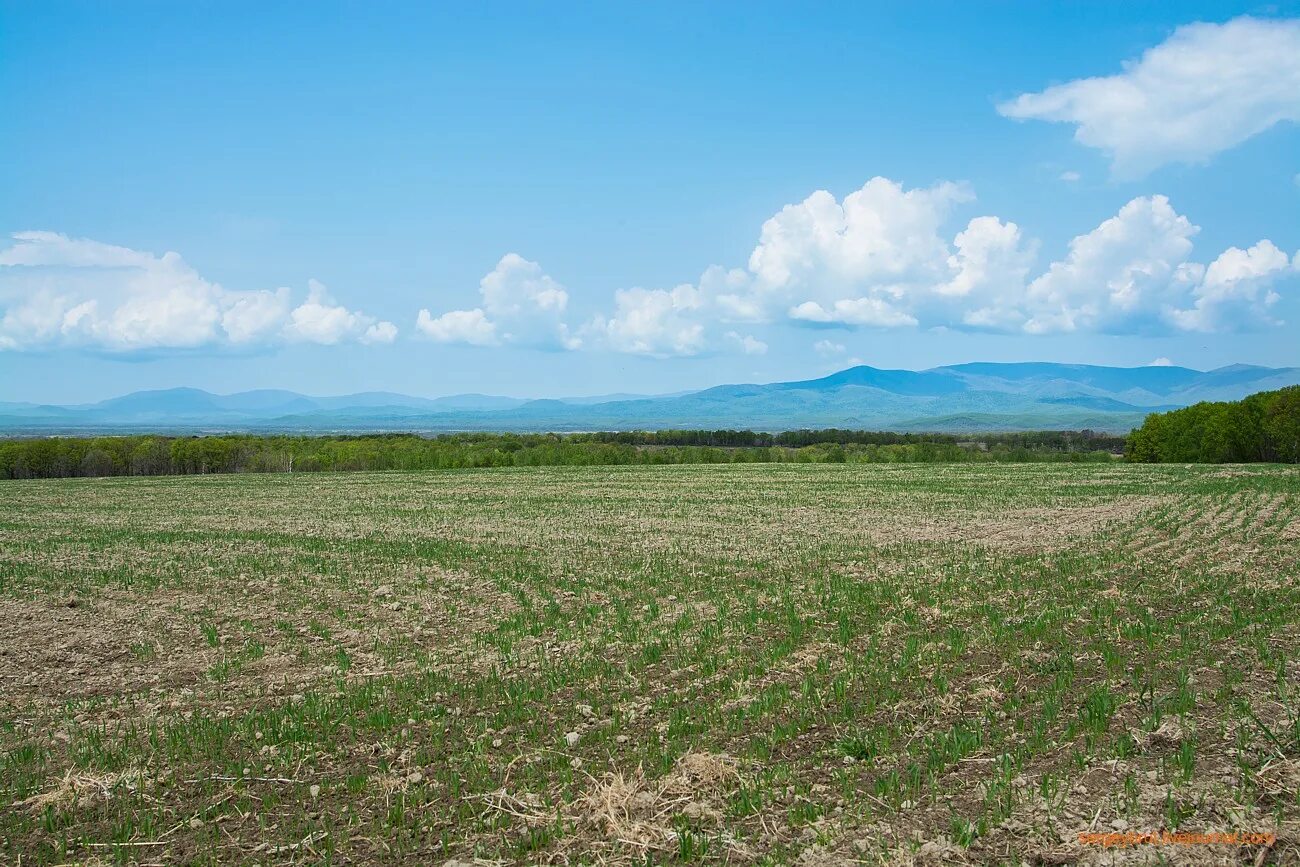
64,457
1261,427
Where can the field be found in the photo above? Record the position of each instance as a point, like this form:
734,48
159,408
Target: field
771,664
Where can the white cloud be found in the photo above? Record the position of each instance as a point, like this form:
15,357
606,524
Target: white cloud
729,289
35,249
871,311
863,261
320,320
747,343
253,315
1160,362
989,252
517,286
1118,276
1134,273
380,332
658,322
459,326
829,348
880,235
882,259
1237,289
811,311
854,311
520,305
1070,177
1206,89
61,291
989,268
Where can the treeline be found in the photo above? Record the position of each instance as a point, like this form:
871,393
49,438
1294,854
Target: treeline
63,457
1262,427
1057,441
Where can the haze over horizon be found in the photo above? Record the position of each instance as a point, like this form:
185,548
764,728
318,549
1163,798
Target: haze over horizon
980,397
552,395
538,201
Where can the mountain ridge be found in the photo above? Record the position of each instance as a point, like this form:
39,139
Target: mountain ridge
970,396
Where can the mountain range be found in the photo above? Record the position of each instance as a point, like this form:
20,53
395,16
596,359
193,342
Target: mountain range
964,397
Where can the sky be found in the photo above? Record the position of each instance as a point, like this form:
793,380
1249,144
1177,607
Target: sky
558,199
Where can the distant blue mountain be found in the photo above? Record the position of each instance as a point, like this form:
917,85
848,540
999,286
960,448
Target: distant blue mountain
923,383
962,397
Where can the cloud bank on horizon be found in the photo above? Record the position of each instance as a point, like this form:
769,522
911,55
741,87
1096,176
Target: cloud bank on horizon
67,292
877,258
883,257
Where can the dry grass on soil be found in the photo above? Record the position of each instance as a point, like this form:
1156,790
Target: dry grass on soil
744,664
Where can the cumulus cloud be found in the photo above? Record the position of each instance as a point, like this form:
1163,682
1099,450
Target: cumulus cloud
1160,362
747,343
379,332
1206,89
320,320
853,311
882,259
880,240
1134,273
253,315
886,257
829,348
657,322
1237,289
1120,275
459,326
862,261
989,267
60,291
521,305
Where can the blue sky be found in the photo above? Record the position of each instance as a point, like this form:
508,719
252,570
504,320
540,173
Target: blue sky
590,198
